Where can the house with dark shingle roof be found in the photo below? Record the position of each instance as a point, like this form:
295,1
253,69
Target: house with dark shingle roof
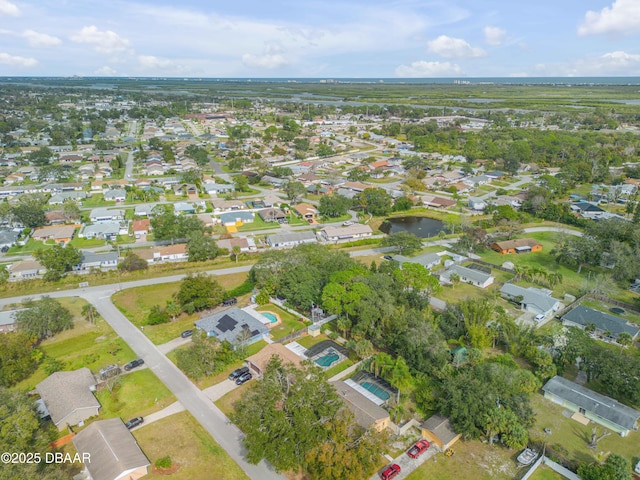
582,316
233,325
112,450
69,397
592,405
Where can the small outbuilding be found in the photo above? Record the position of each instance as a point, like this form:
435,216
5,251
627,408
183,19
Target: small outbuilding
438,430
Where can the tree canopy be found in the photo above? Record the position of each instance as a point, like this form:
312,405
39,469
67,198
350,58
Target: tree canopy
43,318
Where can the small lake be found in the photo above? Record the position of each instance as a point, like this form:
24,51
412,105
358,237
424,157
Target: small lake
423,227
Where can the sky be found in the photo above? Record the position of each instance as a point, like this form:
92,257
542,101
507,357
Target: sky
320,38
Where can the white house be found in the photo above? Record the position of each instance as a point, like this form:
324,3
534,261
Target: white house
477,278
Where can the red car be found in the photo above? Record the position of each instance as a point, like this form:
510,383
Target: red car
418,449
390,472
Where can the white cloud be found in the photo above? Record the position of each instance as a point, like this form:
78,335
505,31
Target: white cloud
494,36
450,47
106,71
17,61
163,65
268,60
622,17
612,63
422,68
106,41
9,9
37,39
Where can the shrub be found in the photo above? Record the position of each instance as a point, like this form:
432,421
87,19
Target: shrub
164,462
157,316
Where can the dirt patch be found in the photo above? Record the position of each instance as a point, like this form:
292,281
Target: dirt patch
166,471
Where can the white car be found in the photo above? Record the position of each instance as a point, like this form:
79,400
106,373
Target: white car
540,317
347,223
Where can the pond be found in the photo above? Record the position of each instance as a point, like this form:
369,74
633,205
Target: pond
423,227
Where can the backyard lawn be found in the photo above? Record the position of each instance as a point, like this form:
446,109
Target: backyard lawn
137,393
569,436
188,445
289,322
545,473
258,224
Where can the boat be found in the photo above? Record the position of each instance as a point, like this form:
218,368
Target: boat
527,456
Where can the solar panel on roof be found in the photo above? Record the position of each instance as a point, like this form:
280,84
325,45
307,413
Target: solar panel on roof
226,324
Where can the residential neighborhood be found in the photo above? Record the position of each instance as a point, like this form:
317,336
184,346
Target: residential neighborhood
398,290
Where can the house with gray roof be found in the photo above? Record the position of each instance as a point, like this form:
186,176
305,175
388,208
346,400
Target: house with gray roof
112,451
582,317
273,215
102,230
60,198
106,215
467,275
288,240
236,218
427,260
143,210
531,299
218,188
115,195
69,397
8,320
594,406
367,414
8,238
101,261
233,325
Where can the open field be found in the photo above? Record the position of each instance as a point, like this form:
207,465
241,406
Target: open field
188,445
85,345
136,303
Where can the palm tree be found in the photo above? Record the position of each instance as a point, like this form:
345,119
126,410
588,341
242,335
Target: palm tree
235,250
90,313
624,339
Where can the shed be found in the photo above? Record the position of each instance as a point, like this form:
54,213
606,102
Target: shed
439,431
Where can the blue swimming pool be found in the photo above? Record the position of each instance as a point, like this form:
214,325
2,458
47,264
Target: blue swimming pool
272,318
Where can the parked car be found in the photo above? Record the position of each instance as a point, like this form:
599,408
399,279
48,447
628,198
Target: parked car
418,448
186,333
539,317
134,422
390,472
238,372
388,257
230,301
347,223
244,378
133,364
4,249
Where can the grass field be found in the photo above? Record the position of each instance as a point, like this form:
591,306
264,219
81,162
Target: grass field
188,445
86,345
573,437
545,473
136,303
137,393
289,323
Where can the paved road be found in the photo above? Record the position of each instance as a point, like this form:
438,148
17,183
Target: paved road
228,436
568,231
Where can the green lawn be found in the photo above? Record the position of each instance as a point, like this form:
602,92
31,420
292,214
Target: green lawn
86,345
310,341
573,437
342,366
289,323
88,243
227,402
258,224
182,438
31,247
96,201
545,473
136,303
472,460
137,393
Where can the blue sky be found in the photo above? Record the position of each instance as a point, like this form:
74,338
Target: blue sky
327,39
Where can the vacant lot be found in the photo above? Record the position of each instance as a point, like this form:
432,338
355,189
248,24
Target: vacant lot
188,445
86,345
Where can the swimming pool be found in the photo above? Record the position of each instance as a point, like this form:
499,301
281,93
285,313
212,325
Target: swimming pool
272,318
326,360
381,393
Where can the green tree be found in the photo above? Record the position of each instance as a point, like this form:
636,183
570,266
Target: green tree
201,247
132,262
41,157
199,292
332,206
375,201
16,358
29,211
240,183
286,415
615,467
58,260
90,313
43,318
404,242
294,190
